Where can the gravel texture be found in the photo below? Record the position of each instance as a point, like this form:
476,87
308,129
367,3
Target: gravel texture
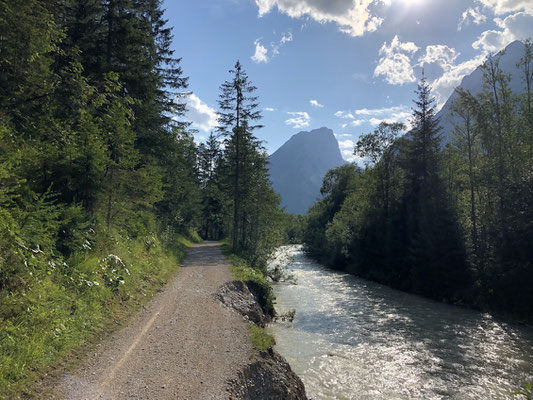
183,345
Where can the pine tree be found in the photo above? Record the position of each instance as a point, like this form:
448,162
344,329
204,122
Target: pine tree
435,252
238,111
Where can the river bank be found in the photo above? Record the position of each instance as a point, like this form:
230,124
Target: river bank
268,375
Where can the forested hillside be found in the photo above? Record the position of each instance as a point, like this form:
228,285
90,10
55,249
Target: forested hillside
453,223
100,184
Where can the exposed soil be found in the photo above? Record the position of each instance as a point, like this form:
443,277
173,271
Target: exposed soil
238,296
184,345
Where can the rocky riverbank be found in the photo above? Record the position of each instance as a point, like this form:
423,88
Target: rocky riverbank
268,375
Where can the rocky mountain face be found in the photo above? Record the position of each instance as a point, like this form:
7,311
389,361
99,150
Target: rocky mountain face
298,167
474,83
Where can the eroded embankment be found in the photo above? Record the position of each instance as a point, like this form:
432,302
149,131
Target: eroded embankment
268,375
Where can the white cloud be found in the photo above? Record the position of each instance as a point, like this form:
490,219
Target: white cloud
348,155
315,103
377,121
444,86
500,7
346,144
395,62
200,114
441,55
352,16
385,114
473,15
518,26
452,74
344,115
374,116
286,38
261,53
382,111
342,135
300,119
269,109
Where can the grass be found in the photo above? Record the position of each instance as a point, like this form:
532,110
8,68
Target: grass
70,305
261,340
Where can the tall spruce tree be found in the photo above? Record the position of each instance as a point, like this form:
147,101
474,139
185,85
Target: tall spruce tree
237,114
435,251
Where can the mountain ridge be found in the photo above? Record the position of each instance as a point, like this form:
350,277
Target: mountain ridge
473,82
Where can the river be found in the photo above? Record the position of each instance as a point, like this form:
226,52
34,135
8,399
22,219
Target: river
356,339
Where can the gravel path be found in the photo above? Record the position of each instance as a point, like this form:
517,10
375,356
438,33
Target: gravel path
183,345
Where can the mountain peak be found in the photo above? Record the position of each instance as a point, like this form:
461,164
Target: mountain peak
298,167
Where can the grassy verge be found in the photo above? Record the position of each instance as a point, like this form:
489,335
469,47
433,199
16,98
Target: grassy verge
261,340
71,304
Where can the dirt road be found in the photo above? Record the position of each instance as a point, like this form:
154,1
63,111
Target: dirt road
183,345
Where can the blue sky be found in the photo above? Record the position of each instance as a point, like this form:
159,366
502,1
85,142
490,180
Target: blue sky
344,64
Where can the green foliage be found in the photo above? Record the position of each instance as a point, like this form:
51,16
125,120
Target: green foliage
261,340
338,183
65,303
450,223
392,222
96,181
493,148
181,201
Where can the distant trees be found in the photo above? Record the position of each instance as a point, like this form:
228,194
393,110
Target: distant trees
378,149
214,201
338,184
467,147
